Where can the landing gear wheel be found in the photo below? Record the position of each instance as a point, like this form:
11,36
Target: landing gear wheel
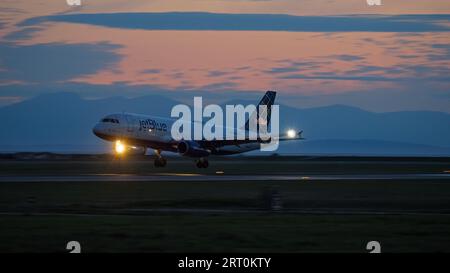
202,163
160,162
199,164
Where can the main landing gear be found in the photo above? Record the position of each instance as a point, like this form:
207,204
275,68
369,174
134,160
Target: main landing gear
159,160
202,162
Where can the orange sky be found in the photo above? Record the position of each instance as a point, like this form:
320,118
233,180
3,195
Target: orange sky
242,60
196,53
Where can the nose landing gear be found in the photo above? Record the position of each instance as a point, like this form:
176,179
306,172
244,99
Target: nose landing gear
202,163
159,160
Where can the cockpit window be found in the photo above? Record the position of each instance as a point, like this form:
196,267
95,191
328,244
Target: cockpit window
110,120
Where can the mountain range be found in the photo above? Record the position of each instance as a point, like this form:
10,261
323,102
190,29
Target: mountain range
62,122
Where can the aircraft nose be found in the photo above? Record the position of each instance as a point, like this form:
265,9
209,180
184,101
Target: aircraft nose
96,129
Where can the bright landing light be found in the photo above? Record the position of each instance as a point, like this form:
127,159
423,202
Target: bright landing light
291,133
120,148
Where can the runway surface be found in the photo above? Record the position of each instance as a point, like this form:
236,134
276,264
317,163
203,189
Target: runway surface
193,177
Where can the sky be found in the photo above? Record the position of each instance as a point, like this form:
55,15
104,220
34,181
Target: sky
392,57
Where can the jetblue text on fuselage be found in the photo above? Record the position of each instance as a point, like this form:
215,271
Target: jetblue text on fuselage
150,124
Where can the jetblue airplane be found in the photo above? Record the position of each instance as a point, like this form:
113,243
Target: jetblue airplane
137,133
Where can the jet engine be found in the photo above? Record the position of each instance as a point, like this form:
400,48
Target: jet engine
192,149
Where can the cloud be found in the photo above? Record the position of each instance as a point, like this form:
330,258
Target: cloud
54,62
255,22
443,53
410,56
151,71
241,68
219,86
370,69
405,73
279,70
365,78
408,74
11,10
288,66
176,74
217,73
22,34
339,78
347,58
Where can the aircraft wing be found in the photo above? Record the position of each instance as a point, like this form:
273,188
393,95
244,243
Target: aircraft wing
225,142
290,136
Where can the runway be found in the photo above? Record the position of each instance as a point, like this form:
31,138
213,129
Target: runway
233,202
194,177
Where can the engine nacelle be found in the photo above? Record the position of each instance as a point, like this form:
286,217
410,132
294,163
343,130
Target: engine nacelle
133,150
191,148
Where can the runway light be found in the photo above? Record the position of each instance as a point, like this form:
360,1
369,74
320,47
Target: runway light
291,133
120,148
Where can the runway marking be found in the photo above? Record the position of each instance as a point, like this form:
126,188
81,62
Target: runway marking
183,174
128,175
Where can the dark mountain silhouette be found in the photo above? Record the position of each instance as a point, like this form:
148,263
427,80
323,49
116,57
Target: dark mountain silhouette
62,122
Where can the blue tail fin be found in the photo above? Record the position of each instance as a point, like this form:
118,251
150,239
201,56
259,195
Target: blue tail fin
268,99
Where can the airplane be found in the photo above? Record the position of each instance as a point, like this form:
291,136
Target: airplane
136,133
